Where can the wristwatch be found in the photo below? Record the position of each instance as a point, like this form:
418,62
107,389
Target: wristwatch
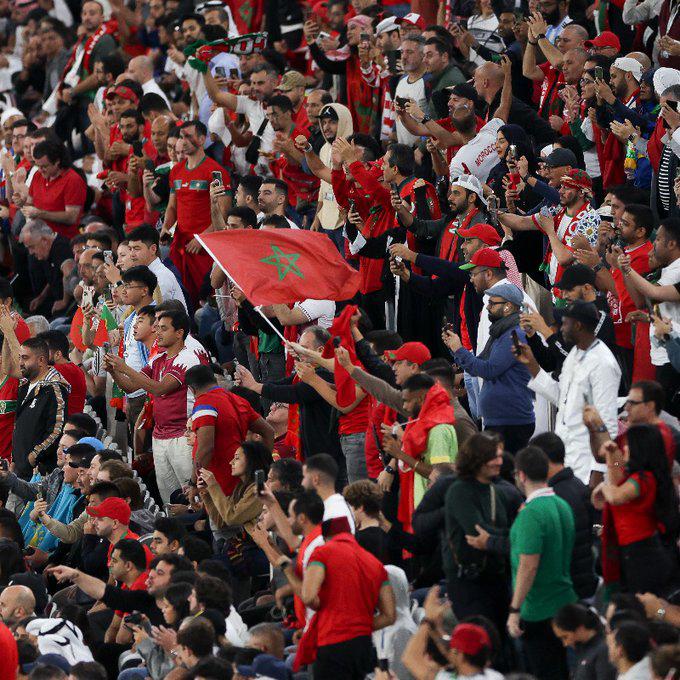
425,119
390,470
661,613
309,148
513,610
597,267
284,565
600,428
118,284
540,36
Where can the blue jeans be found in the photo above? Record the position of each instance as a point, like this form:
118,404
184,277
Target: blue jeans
338,238
472,387
353,448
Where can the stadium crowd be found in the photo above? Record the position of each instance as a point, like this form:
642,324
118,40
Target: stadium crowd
339,339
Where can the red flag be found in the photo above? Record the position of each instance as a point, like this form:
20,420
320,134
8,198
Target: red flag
346,394
279,266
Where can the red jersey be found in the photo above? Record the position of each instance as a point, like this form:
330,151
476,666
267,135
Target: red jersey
549,101
139,584
301,186
21,330
75,377
231,416
8,406
621,304
349,593
55,195
192,191
172,410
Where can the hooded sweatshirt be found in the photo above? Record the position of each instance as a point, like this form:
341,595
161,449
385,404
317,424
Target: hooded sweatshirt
329,212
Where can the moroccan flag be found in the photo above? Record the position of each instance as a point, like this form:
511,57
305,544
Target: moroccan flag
75,333
107,322
280,266
346,390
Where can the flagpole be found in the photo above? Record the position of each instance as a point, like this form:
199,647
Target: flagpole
258,309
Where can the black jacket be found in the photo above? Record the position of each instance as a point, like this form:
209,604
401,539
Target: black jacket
318,419
591,660
523,115
39,423
577,494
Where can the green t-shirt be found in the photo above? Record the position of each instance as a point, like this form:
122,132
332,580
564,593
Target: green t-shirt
442,447
545,526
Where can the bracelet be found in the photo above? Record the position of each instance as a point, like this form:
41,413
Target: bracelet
390,470
425,119
532,43
598,267
540,36
309,148
513,610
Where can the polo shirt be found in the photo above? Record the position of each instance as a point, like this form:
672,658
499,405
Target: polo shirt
192,191
349,593
545,527
231,416
172,410
54,195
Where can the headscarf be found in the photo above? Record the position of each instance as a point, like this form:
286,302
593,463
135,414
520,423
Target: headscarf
383,640
329,214
516,135
59,636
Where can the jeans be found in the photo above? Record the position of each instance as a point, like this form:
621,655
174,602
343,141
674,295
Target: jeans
337,237
472,387
353,448
174,464
272,367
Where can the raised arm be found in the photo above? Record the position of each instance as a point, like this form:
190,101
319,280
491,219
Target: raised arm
226,99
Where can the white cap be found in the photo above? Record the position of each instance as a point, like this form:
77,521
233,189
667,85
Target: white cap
387,25
664,78
630,65
471,183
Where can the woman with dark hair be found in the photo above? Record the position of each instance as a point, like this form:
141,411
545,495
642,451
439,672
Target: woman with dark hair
580,629
477,579
640,513
174,604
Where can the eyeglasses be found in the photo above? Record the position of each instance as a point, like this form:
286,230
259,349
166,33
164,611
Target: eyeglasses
493,303
127,286
634,402
587,81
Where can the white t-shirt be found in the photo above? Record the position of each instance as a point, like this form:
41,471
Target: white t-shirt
336,506
479,155
669,310
414,91
320,312
255,113
131,353
167,282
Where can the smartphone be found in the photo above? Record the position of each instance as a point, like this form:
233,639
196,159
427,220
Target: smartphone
393,57
512,152
220,71
38,496
4,464
217,176
259,481
107,348
336,341
401,101
394,187
137,149
446,324
148,165
233,74
515,341
108,256
322,36
88,296
599,73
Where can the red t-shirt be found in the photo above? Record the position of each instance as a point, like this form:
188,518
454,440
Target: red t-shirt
357,419
349,593
139,584
231,416
636,520
75,377
621,304
172,410
22,331
8,406
67,189
192,192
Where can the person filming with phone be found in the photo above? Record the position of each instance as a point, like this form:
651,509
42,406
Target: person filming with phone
505,381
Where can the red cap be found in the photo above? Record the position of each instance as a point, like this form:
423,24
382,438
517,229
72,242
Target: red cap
113,508
484,232
413,19
123,92
485,257
605,39
415,352
320,9
469,639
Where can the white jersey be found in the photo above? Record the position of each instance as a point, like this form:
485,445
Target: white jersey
479,155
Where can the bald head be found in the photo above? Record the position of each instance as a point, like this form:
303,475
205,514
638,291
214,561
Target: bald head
16,603
140,69
488,79
642,59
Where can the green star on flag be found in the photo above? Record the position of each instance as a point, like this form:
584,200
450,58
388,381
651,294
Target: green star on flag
285,263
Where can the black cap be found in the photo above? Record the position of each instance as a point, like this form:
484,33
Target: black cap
328,112
576,275
585,312
84,454
559,157
466,90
